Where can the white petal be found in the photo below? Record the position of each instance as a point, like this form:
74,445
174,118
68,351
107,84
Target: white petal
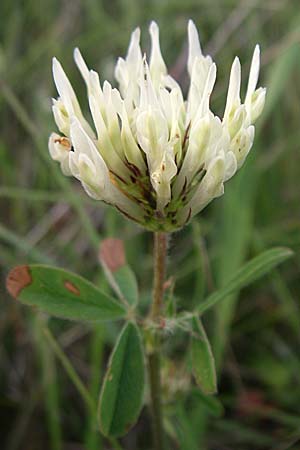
194,45
157,65
121,74
207,91
131,149
257,103
165,102
61,117
65,167
97,93
88,166
197,149
81,142
91,166
128,71
82,66
254,73
148,96
161,178
134,54
105,144
210,187
233,96
236,121
73,164
64,88
87,171
112,121
242,143
203,70
68,97
230,165
152,134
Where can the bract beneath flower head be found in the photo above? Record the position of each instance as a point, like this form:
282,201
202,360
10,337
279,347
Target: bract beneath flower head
155,157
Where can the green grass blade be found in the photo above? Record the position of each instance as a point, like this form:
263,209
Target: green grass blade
250,272
51,387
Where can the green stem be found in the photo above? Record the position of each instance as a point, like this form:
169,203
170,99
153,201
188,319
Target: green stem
154,356
156,406
116,444
50,386
93,439
83,391
70,371
159,263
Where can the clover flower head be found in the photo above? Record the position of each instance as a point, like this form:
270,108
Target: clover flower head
158,158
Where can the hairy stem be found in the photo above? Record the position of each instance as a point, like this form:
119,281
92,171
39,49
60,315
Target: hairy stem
154,356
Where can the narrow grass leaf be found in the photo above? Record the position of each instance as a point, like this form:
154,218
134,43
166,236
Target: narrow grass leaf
122,392
250,272
233,236
61,293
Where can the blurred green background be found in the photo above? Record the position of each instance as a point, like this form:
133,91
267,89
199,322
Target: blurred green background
47,218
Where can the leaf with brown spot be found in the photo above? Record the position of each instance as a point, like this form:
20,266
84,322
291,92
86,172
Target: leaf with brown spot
61,293
17,279
71,287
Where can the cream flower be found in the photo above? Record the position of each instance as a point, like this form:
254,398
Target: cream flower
157,158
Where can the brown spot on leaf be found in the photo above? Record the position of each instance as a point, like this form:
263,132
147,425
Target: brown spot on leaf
110,377
17,279
71,287
112,254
